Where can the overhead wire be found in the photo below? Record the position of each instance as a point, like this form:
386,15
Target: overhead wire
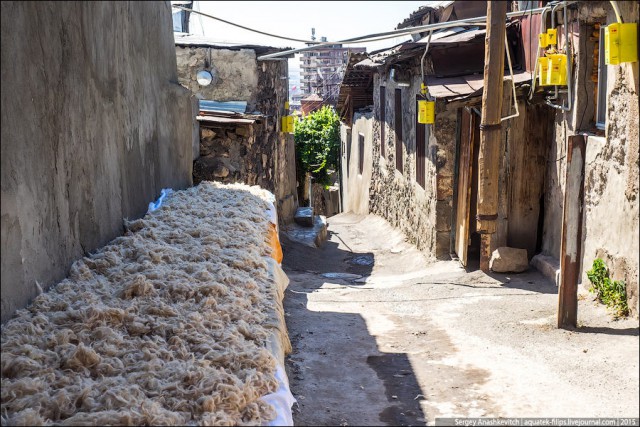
360,39
242,26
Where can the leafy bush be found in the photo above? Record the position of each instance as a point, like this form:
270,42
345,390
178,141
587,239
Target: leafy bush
612,293
317,138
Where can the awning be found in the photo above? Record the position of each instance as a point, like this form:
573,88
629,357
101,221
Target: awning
464,86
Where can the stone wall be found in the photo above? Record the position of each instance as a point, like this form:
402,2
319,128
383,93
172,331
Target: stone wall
423,214
610,221
94,125
258,153
250,154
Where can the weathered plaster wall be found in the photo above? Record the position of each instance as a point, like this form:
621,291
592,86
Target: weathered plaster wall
610,222
94,125
423,214
357,198
236,73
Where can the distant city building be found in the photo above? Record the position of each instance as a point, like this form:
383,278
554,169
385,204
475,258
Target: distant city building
321,70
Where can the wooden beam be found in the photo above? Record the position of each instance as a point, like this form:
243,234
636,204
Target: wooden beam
490,129
571,243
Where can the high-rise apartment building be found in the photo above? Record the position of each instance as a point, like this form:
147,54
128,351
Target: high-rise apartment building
321,70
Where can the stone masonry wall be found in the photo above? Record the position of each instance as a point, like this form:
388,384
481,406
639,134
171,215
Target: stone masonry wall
423,214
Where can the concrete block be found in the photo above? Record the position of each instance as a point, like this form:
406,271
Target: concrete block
310,236
548,266
509,260
304,216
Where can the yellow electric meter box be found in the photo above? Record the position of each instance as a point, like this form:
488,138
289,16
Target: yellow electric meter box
426,112
543,71
552,36
542,39
620,43
287,124
557,74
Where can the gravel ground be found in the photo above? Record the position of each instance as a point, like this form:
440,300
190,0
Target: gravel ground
416,341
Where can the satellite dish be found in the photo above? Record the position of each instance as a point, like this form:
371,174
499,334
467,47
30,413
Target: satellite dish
204,78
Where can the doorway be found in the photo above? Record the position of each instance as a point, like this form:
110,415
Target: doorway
467,242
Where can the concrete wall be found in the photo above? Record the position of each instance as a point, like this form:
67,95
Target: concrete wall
94,125
610,222
355,184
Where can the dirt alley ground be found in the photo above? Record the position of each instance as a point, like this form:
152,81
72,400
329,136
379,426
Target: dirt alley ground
416,341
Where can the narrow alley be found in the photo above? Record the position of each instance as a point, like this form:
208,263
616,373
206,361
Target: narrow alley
410,341
323,213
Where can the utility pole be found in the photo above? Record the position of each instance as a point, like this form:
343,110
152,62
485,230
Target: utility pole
490,130
571,243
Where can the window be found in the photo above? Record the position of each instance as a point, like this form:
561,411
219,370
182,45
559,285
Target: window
398,129
383,109
360,152
601,101
421,149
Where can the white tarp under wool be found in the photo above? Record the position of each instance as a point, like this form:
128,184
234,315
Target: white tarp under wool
179,321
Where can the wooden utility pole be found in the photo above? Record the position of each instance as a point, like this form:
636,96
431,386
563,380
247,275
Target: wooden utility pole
571,244
490,129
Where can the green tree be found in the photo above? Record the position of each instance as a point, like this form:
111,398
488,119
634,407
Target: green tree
317,138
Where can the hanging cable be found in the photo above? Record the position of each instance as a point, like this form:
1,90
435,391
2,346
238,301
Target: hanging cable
616,10
361,39
242,26
426,49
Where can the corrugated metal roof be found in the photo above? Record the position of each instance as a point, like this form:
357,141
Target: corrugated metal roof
230,106
464,86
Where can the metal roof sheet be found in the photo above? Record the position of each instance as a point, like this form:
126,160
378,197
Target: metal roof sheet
230,106
463,86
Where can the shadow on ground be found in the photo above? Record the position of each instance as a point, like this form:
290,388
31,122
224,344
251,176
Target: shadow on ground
334,355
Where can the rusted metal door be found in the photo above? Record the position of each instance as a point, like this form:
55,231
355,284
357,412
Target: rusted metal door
465,165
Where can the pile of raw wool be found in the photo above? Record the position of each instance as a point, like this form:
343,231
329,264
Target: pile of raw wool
163,326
